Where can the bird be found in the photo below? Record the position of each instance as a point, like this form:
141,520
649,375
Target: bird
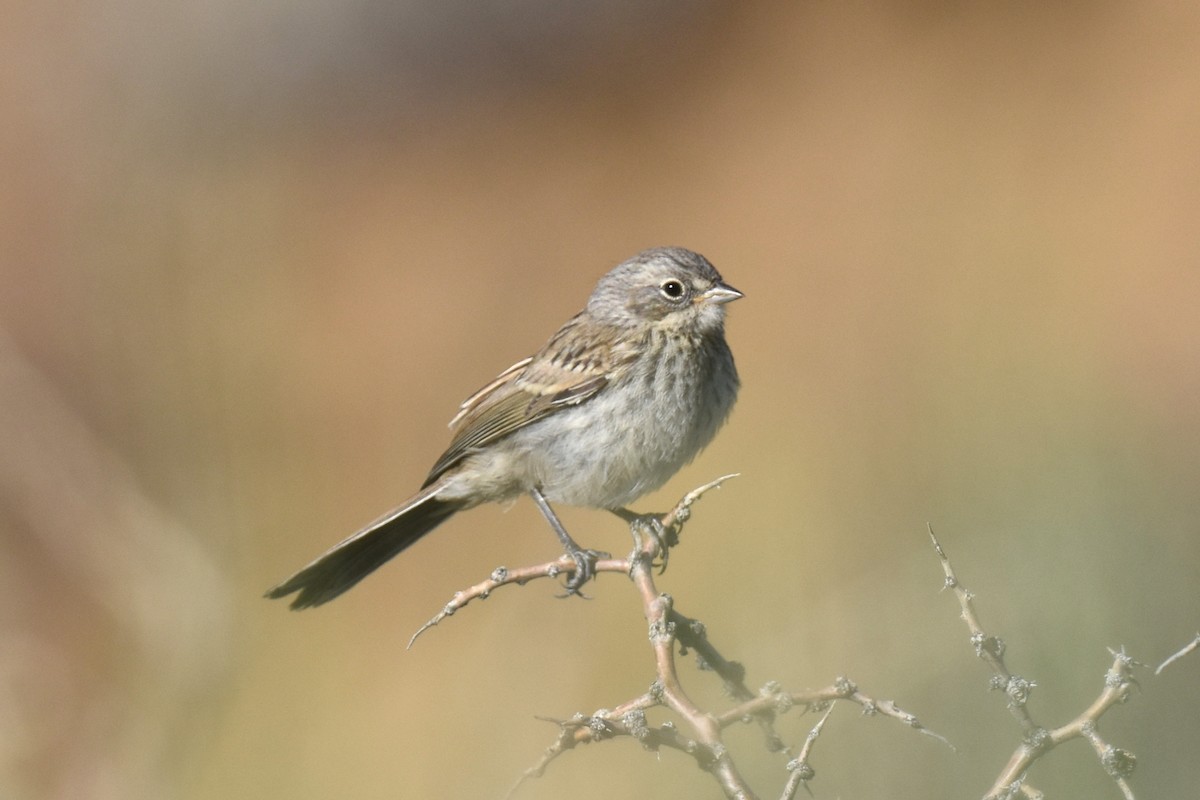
621,397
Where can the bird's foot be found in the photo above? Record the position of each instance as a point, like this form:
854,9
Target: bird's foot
585,570
651,525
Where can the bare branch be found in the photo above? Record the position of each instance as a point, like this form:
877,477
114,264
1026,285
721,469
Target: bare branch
1037,741
800,771
671,524
696,732
503,576
699,734
989,648
773,699
1185,650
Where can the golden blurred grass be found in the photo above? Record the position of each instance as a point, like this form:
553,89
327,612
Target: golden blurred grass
254,258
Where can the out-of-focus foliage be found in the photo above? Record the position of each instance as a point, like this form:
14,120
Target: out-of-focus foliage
253,255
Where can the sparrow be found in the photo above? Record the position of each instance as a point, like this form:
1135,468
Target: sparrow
621,397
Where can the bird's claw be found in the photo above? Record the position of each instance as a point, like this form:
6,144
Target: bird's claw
585,570
652,526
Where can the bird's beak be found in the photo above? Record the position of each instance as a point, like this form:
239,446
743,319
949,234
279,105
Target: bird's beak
720,295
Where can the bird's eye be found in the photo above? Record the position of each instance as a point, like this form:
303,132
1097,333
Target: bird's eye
672,290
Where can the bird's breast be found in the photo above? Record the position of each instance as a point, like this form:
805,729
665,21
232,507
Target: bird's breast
631,437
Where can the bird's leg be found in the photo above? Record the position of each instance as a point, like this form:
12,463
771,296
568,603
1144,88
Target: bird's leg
585,560
651,524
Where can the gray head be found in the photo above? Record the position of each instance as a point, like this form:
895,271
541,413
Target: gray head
671,286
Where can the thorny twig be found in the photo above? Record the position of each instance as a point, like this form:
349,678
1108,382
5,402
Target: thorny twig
800,772
696,731
1187,648
1036,741
670,524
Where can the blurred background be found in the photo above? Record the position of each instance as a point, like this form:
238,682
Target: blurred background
254,255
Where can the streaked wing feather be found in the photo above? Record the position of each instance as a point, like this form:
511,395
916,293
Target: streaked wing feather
502,417
474,400
526,392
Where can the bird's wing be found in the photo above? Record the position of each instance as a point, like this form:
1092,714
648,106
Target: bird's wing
558,377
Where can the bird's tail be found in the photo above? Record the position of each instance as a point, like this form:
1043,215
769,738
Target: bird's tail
357,556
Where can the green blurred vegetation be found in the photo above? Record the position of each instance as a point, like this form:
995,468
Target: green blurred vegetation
254,256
